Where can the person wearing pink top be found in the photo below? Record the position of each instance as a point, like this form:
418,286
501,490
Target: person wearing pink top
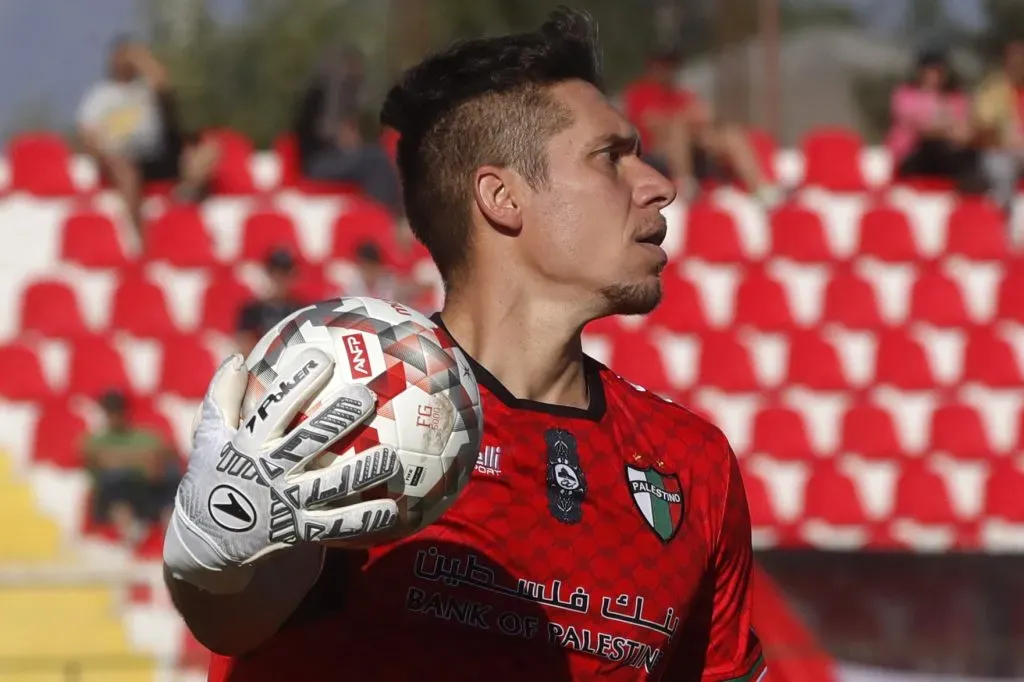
931,134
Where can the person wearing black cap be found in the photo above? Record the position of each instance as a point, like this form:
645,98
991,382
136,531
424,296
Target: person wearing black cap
134,472
259,315
931,133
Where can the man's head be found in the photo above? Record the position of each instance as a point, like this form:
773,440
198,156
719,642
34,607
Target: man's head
511,154
1013,61
280,268
120,66
663,66
115,409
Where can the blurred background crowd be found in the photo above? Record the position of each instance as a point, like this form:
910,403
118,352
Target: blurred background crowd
845,297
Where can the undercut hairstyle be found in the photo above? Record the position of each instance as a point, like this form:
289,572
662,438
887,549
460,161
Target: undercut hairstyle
483,102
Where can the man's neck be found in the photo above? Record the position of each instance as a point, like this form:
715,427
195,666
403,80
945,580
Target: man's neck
528,345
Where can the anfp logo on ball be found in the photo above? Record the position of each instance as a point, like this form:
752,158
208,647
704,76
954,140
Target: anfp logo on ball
231,510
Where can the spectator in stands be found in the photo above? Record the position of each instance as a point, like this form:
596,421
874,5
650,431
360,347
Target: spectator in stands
999,119
371,276
129,124
134,472
258,316
931,133
330,143
681,136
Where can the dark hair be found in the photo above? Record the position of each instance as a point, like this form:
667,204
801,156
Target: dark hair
480,102
935,58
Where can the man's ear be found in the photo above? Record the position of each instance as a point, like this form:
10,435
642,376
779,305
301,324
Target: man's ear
495,192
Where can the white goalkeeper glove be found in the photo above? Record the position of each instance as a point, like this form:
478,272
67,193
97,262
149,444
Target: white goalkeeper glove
246,492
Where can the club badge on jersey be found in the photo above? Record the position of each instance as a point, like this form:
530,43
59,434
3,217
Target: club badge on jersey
567,486
659,499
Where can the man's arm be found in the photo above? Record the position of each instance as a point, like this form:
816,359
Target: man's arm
234,624
718,643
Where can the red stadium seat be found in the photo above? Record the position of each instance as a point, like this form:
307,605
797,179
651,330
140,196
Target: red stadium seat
144,414
957,430
265,231
1003,498
868,430
96,366
761,303
1010,298
58,436
90,239
762,511
187,367
21,374
232,175
922,497
222,300
180,239
139,308
831,497
287,153
886,235
40,164
363,221
798,234
680,310
936,299
814,363
977,230
638,359
901,362
712,235
832,160
50,308
312,284
781,433
850,301
725,364
991,361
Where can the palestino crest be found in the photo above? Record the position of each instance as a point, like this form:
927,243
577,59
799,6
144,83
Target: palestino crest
658,498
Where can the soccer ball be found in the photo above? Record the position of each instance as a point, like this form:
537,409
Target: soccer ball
428,401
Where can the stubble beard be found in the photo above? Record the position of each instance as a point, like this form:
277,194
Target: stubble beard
632,299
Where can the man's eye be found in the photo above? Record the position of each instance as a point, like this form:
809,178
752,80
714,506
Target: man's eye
614,155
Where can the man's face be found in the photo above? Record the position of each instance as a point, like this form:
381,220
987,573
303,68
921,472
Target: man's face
280,281
120,64
1015,61
595,229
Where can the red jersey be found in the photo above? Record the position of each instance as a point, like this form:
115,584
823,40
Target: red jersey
607,543
646,97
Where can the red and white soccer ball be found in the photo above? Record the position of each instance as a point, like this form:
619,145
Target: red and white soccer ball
428,401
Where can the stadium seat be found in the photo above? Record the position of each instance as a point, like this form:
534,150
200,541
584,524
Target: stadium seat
186,367
990,360
267,230
312,284
901,362
139,307
363,221
21,374
1010,297
976,229
725,364
50,308
886,235
180,239
831,498
223,298
637,358
761,303
40,164
814,363
58,436
1003,498
832,160
868,430
957,429
712,235
921,496
96,366
681,310
936,299
850,302
780,432
287,153
798,234
232,175
90,239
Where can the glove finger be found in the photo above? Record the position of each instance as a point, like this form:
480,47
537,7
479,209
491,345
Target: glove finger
217,415
348,476
295,385
331,418
349,523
